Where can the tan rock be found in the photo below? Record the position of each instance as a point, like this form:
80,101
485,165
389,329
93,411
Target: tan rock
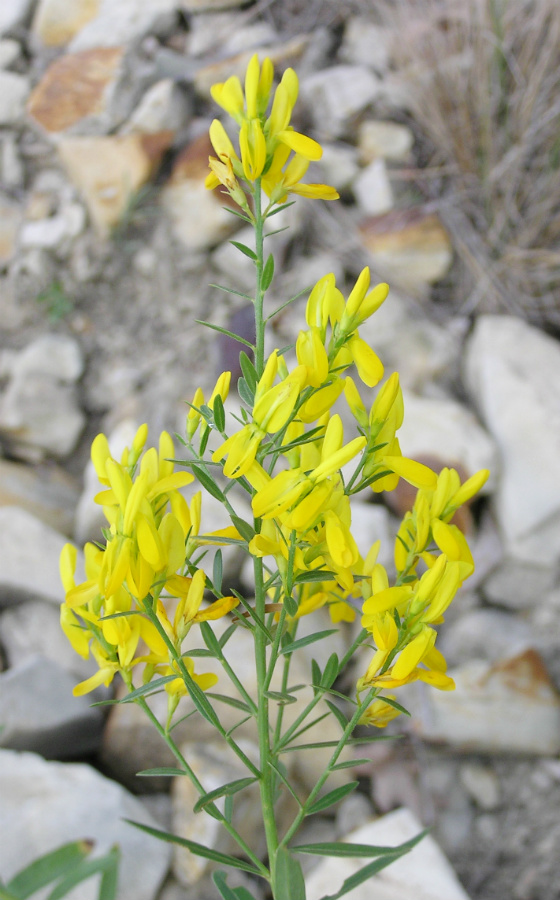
281,55
387,140
10,221
197,215
109,170
56,22
409,248
76,90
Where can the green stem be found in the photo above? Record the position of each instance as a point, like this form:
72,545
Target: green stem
259,295
267,775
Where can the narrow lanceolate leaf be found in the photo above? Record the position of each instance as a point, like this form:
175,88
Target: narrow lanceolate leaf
373,868
219,414
230,701
226,790
246,531
249,371
217,572
167,771
199,699
280,697
208,483
358,851
289,883
238,893
198,849
330,672
228,633
230,334
291,605
106,865
332,797
305,641
268,273
280,208
48,868
145,689
315,675
209,637
245,249
338,714
306,577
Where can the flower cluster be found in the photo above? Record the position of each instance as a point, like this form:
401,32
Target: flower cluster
267,140
151,535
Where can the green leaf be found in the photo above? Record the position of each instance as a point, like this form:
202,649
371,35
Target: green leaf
309,639
198,652
280,208
245,393
330,672
228,633
145,689
237,212
245,249
246,531
280,772
168,771
315,675
249,371
227,333
238,893
207,482
338,714
230,701
226,790
332,797
291,605
306,577
198,849
268,273
199,699
373,868
219,414
341,849
217,572
280,697
210,638
289,883
351,763
48,868
105,865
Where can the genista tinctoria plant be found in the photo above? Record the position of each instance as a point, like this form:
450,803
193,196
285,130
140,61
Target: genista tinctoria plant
143,610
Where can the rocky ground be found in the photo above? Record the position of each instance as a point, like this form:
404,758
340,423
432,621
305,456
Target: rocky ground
108,246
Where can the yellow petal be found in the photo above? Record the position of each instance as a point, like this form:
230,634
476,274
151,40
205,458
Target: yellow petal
417,474
301,144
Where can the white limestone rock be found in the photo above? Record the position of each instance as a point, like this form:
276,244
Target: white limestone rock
122,21
39,713
53,232
339,165
46,804
422,874
512,371
14,90
13,13
508,707
10,221
29,553
366,44
384,140
372,189
9,52
334,95
447,430
46,491
163,106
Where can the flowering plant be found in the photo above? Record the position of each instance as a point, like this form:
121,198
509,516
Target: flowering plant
142,610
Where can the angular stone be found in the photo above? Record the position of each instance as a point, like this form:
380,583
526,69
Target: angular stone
424,872
56,356
45,491
56,231
512,372
366,44
510,707
46,804
197,215
481,783
14,90
11,163
56,22
123,22
13,13
163,106
334,95
447,430
339,165
10,221
372,189
519,584
410,249
39,713
385,140
281,55
29,553
9,52
76,92
487,634
108,171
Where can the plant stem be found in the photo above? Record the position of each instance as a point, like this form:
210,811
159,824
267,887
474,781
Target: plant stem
259,294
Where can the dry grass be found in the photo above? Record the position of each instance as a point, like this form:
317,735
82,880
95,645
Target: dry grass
484,84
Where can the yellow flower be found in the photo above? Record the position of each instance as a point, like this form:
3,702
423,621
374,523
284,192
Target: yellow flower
380,713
